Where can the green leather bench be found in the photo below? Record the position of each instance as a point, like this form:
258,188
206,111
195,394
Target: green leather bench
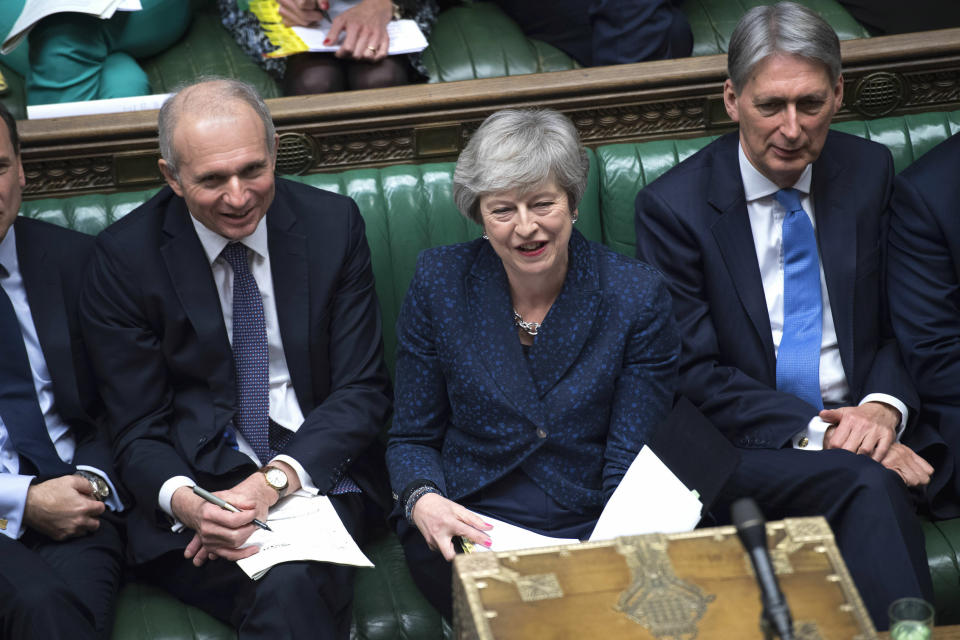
472,40
408,208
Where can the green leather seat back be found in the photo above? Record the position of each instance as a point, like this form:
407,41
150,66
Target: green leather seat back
713,21
479,41
943,554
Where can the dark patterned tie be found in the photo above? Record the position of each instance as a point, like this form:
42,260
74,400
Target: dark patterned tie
798,358
250,355
19,406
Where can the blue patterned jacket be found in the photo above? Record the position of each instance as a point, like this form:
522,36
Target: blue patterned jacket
471,407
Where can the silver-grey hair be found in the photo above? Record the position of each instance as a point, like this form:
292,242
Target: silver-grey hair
786,27
520,149
206,96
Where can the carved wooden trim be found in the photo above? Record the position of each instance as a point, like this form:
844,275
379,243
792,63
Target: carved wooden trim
627,103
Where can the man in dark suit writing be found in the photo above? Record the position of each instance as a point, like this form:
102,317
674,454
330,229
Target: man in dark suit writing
61,550
772,243
237,337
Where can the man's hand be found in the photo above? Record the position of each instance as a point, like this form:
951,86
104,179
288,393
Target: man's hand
439,520
365,31
867,430
914,470
62,507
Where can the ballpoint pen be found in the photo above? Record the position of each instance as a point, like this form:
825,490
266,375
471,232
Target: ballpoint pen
223,504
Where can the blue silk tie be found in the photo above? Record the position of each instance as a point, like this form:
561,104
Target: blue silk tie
19,406
798,358
251,355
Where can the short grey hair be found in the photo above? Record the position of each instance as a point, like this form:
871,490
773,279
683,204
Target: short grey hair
520,149
786,27
208,95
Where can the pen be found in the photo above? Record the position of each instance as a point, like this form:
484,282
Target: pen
226,506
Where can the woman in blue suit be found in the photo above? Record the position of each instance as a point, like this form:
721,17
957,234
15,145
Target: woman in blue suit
532,364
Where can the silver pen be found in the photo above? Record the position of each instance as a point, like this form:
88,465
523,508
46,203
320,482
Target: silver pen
226,506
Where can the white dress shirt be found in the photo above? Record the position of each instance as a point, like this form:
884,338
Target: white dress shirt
13,485
284,408
766,222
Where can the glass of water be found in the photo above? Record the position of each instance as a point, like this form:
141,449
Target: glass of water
911,619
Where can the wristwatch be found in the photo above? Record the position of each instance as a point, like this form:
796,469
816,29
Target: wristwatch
276,478
101,490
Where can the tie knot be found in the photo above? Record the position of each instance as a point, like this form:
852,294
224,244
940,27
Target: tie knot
235,253
789,199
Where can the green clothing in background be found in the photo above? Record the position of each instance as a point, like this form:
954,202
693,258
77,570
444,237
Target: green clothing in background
73,57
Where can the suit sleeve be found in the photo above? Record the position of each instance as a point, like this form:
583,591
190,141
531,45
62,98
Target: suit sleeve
888,373
344,424
749,412
422,409
925,294
128,359
645,387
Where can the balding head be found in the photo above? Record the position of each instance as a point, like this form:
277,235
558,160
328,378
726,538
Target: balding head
204,99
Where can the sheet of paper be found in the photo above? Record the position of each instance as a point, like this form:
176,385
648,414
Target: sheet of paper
405,37
305,527
649,499
92,107
510,537
129,5
35,10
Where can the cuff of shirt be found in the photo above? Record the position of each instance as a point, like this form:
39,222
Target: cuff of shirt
896,404
166,495
306,482
811,438
113,500
13,501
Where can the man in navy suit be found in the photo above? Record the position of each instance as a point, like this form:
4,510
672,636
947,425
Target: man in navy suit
60,545
771,240
923,275
237,338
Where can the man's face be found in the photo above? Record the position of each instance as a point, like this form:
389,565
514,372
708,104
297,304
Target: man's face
226,171
784,112
12,182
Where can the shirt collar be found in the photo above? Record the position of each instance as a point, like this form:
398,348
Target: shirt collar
214,243
756,185
8,252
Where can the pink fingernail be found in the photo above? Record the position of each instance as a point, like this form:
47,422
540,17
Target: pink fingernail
488,543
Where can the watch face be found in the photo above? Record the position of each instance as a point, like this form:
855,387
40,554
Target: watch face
277,479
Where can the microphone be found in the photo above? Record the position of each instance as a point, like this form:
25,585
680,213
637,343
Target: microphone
752,530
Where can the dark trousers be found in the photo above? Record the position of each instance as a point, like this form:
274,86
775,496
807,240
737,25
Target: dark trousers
868,508
65,589
603,32
514,498
293,600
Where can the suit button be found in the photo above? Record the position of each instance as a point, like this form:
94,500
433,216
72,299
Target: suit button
803,442
541,433
202,440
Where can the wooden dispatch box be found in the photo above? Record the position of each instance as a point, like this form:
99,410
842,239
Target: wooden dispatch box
679,586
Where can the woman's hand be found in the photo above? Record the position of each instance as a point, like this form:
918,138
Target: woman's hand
365,31
301,13
439,520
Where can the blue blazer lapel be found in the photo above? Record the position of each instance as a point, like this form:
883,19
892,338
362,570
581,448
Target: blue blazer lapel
734,238
291,285
494,335
838,244
571,319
